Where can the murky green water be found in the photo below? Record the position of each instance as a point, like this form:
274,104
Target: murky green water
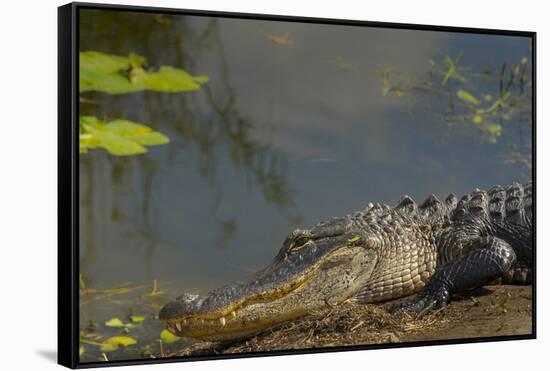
298,123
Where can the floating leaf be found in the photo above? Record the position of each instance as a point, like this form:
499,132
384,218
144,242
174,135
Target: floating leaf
118,137
81,351
168,337
84,341
114,342
114,74
494,130
500,102
505,96
467,97
137,319
117,323
136,132
477,119
452,69
81,282
114,322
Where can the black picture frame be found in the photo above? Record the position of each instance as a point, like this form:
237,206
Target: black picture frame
68,179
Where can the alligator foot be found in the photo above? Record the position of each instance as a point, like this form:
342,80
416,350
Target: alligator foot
428,300
489,258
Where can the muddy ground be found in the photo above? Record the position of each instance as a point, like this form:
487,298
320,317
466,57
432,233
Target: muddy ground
490,311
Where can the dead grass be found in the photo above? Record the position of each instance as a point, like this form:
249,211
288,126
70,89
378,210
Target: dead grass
354,324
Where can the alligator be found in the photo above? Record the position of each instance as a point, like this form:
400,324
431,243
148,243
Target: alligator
378,254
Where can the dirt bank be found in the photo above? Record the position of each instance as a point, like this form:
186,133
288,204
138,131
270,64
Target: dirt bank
491,311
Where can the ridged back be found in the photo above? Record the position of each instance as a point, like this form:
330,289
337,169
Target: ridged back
512,204
432,210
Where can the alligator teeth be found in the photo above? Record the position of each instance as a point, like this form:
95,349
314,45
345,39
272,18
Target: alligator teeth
233,314
184,322
178,325
222,321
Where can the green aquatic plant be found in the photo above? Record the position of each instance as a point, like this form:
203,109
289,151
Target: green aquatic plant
113,74
137,319
112,343
118,137
467,97
129,325
451,69
167,337
494,103
390,87
117,323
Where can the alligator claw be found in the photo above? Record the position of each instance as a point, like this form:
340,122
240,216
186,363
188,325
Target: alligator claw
420,305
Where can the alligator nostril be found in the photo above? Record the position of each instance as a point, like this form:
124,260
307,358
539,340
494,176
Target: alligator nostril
186,304
187,298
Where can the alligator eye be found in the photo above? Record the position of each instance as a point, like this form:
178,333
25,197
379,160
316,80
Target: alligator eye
299,243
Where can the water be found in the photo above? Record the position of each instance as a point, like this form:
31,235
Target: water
291,129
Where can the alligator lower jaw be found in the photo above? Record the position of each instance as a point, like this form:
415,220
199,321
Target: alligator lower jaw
229,327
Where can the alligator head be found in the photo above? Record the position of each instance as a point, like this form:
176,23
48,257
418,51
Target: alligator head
315,268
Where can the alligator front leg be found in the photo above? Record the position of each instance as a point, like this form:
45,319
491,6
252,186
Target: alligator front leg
488,259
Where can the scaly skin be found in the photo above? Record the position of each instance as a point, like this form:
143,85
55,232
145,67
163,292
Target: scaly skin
377,254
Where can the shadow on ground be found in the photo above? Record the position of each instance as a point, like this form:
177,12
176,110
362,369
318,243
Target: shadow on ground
50,355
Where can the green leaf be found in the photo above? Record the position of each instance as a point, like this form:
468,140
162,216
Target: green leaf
84,341
493,130
117,75
477,119
81,351
114,322
81,282
172,80
168,337
117,323
136,132
467,97
505,96
137,319
114,342
136,61
116,144
452,69
118,137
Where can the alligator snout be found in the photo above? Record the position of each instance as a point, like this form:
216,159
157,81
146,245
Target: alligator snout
184,305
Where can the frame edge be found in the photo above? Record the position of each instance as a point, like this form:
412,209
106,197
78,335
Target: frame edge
68,338
67,320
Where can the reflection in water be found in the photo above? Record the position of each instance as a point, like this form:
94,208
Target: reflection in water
298,123
227,128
